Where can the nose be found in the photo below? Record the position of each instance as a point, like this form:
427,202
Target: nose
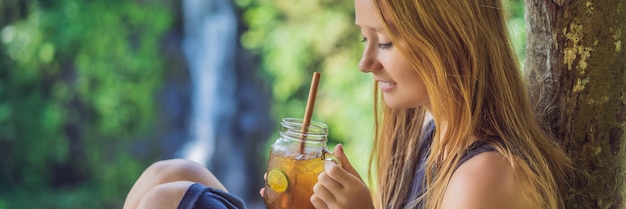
369,62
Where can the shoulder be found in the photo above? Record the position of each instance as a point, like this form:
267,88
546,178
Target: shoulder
484,181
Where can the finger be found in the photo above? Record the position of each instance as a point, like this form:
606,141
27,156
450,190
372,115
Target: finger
331,185
339,175
317,202
262,190
323,193
345,163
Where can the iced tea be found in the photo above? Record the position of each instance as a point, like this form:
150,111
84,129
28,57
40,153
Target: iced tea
290,181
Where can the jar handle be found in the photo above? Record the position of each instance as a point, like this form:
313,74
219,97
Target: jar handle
327,155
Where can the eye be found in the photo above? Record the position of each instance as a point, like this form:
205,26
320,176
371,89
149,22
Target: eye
385,46
380,45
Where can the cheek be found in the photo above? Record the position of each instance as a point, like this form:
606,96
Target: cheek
392,61
415,84
406,71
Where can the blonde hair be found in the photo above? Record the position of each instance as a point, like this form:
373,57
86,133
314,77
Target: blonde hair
461,51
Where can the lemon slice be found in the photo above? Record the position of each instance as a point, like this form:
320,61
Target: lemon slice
277,180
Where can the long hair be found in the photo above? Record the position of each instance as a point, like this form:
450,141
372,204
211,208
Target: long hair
461,50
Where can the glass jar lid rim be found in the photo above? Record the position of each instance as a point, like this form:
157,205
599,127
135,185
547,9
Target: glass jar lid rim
299,121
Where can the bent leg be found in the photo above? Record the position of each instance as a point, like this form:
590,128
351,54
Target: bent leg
167,171
165,196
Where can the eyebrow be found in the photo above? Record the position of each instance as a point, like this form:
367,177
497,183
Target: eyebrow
371,28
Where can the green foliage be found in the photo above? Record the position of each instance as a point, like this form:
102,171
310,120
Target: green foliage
79,80
296,39
517,28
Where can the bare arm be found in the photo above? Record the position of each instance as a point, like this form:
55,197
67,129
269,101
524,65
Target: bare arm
485,181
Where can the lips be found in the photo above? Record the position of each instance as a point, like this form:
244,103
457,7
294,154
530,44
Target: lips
386,86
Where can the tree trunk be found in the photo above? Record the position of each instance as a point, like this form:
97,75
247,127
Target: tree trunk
576,71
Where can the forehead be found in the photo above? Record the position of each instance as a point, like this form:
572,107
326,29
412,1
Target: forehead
366,15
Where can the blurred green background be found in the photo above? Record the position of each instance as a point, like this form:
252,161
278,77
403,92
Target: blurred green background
92,92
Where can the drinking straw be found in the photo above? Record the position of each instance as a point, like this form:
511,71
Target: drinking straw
309,109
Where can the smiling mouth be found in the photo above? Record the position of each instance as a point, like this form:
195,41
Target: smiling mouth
386,85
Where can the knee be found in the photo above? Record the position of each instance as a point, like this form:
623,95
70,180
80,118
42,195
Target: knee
164,165
167,195
176,170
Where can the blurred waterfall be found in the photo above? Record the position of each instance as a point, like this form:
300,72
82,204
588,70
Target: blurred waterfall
210,46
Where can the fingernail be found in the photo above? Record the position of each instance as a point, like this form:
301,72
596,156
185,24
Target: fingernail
340,148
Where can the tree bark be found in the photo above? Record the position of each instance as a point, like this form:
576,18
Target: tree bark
576,70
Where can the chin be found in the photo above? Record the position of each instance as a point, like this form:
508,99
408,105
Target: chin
398,106
401,104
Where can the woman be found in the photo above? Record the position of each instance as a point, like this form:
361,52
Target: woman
451,60
446,59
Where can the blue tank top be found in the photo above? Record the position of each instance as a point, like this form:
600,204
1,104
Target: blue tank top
418,186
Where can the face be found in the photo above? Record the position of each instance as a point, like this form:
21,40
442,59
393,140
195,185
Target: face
399,83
